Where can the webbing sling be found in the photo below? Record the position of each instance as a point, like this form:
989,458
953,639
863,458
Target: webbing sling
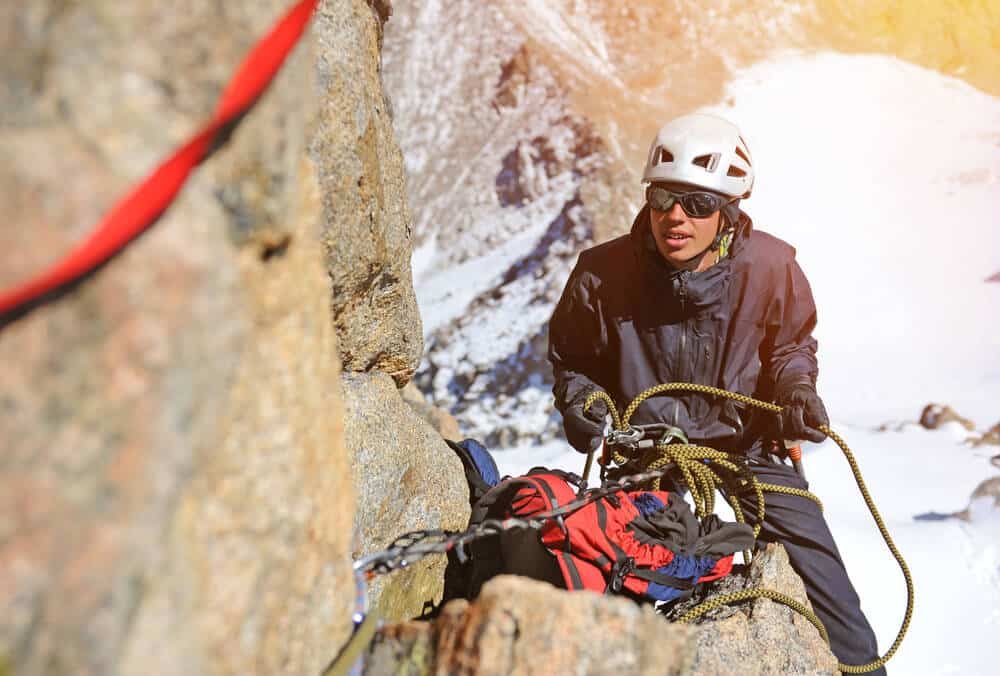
142,207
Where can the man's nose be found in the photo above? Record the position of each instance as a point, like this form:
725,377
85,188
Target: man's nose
676,212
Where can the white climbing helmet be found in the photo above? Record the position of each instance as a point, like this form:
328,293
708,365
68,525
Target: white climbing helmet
704,151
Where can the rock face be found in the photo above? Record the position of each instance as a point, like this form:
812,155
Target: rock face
366,227
763,637
175,490
521,626
406,479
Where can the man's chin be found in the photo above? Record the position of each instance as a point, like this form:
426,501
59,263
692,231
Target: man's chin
679,256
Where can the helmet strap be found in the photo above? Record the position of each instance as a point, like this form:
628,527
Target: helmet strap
722,236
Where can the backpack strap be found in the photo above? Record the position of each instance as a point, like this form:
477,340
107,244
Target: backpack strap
551,486
663,579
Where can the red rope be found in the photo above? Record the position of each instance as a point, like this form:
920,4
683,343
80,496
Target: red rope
140,209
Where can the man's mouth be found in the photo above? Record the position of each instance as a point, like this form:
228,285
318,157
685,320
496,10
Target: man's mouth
676,236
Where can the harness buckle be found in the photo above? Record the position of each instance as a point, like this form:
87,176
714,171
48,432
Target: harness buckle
673,433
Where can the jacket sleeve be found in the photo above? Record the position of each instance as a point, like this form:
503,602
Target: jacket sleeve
577,341
788,353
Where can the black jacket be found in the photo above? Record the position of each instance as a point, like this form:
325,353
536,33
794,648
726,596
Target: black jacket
627,321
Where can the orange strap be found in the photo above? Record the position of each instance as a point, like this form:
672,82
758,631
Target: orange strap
143,206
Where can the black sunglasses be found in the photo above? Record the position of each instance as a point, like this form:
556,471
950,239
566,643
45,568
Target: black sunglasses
697,203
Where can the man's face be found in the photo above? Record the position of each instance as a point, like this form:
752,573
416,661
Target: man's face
680,237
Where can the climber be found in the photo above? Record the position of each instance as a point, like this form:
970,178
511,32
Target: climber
694,294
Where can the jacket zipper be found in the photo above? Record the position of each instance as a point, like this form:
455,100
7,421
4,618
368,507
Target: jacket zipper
681,295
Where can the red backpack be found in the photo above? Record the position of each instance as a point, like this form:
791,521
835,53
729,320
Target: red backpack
645,543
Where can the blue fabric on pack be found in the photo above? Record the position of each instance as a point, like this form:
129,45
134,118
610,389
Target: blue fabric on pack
683,567
483,460
647,503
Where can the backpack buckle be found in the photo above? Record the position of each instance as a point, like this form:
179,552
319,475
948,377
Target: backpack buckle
616,579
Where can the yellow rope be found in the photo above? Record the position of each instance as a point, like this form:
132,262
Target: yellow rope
864,668
746,595
694,462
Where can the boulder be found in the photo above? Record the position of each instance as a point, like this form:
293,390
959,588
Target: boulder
985,500
990,437
988,490
520,626
439,419
935,415
406,478
762,637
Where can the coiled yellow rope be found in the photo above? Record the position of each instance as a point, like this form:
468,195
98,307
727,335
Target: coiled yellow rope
703,481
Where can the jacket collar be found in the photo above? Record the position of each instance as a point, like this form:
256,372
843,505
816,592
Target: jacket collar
691,290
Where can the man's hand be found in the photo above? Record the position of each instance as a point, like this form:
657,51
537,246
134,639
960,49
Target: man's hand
802,414
585,430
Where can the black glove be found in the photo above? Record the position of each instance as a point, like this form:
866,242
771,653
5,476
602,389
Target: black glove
585,430
802,414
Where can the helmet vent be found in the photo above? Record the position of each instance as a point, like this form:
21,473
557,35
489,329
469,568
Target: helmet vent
665,156
742,154
707,162
735,171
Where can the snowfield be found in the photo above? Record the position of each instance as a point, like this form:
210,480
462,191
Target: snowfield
884,176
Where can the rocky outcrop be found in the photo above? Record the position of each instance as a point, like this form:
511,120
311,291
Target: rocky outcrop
366,228
406,479
762,637
176,492
405,476
518,625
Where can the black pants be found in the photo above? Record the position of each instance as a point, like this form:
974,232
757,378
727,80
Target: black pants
798,524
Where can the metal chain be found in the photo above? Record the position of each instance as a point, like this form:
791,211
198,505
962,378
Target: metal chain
415,545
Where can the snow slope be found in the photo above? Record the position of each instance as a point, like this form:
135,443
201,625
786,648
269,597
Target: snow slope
885,177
